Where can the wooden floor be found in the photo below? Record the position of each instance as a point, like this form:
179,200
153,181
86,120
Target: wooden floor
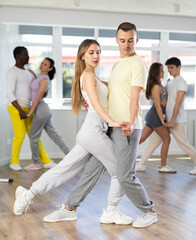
173,194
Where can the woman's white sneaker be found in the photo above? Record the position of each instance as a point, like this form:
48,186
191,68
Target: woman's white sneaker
115,217
20,203
167,169
61,214
193,171
146,219
33,166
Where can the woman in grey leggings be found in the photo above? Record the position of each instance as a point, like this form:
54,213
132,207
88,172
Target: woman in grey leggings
91,139
42,114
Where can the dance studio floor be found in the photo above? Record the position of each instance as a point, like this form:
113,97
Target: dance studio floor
173,194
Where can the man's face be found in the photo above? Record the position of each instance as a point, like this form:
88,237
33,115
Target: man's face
126,42
24,57
173,70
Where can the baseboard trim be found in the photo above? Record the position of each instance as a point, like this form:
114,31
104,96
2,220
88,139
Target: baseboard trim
5,161
51,155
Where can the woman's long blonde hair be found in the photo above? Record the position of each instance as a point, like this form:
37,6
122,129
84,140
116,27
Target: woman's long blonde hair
76,95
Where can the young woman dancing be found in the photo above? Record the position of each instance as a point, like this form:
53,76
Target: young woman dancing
42,114
155,117
91,139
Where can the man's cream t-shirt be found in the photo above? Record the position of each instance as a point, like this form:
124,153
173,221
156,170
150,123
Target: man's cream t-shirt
128,72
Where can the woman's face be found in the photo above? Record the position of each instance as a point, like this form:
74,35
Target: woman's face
161,72
92,56
45,66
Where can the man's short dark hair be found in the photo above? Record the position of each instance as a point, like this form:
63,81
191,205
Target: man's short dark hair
173,61
18,50
127,26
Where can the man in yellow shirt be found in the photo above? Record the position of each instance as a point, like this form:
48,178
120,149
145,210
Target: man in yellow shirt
126,83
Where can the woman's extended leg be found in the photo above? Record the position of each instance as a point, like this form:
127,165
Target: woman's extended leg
146,132
70,166
164,134
41,116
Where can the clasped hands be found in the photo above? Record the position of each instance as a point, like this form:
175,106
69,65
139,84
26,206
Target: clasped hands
127,128
23,115
169,124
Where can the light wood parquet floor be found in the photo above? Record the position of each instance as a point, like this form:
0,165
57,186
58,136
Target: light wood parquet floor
173,194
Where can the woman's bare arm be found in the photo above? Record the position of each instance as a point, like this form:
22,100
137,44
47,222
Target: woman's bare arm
156,98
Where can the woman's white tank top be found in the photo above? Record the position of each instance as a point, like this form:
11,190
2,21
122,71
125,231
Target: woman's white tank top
102,92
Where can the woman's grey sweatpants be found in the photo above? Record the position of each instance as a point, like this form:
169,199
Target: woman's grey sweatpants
126,153
91,140
42,120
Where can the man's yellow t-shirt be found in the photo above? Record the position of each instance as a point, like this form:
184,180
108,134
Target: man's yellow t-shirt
127,72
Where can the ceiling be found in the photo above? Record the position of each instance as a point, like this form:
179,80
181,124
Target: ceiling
152,7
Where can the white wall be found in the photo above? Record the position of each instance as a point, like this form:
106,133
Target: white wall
99,19
7,39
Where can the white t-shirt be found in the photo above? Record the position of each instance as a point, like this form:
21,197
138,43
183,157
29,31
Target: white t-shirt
173,86
18,86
